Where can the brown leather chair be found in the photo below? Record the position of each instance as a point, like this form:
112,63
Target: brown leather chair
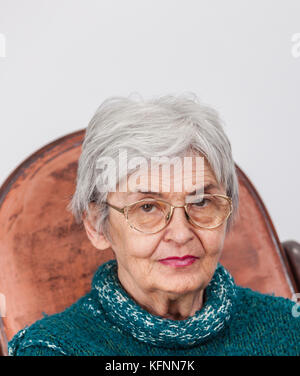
47,262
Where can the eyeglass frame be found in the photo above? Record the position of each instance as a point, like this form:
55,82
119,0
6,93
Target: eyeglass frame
169,215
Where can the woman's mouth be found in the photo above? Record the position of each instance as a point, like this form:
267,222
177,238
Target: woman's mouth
179,261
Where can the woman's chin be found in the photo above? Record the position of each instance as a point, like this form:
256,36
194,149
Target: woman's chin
179,284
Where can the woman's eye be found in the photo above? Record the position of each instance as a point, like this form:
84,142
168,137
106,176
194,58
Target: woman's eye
201,203
147,207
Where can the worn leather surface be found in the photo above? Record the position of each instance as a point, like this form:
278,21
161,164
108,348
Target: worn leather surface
47,262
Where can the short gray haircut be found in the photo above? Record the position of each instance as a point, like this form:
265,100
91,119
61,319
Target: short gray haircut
169,125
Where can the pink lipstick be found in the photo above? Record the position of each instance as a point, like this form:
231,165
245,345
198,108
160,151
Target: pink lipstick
179,261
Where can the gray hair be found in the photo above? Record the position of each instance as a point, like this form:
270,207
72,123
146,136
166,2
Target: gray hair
166,126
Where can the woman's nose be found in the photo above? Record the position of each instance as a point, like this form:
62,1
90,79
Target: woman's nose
179,228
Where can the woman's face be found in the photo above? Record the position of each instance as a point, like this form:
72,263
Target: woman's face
138,254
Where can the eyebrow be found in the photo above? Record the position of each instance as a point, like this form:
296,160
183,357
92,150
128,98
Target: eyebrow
207,187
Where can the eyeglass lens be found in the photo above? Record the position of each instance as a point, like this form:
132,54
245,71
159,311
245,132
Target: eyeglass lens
151,215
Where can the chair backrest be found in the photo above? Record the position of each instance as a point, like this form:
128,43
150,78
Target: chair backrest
47,262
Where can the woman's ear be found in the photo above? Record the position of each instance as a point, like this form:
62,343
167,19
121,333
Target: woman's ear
98,240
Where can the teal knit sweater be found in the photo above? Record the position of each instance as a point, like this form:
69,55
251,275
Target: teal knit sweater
107,321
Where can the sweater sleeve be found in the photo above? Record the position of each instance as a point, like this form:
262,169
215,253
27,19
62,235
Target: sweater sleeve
28,343
36,351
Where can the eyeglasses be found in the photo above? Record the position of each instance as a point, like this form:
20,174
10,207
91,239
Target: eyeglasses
151,215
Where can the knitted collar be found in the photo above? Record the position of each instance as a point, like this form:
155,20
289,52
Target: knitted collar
128,316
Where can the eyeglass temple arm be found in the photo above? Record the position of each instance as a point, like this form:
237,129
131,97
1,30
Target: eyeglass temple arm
115,207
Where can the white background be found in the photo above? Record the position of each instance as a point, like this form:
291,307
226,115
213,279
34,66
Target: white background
64,57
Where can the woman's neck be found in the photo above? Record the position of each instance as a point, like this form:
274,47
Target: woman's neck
164,304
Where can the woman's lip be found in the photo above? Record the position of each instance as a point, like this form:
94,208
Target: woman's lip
178,258
179,261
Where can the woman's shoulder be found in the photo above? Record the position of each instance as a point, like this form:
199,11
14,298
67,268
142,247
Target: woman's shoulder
280,314
252,298
264,324
61,333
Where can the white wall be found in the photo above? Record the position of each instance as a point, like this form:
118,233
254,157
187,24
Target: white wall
63,57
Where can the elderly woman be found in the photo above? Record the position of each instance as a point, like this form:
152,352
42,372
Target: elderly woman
157,183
